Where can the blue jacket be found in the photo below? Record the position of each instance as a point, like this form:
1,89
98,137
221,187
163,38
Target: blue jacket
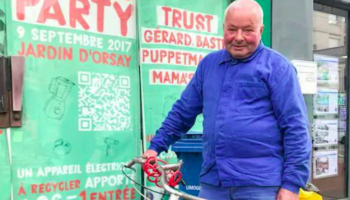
255,129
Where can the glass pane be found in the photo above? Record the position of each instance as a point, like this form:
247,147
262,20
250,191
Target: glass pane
329,105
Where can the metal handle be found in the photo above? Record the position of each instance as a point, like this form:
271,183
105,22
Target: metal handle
172,191
17,75
5,88
138,160
11,91
130,164
174,194
17,70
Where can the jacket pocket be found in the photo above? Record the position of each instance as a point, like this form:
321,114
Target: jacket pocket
253,152
250,97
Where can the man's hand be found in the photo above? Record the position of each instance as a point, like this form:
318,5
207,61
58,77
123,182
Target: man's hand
284,194
150,153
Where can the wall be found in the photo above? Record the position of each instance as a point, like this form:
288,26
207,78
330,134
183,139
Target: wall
292,28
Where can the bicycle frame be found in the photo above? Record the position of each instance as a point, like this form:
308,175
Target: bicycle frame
174,194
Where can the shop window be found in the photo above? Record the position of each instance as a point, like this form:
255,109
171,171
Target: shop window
332,19
333,42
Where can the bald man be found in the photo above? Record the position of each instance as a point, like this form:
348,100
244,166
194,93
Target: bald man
256,143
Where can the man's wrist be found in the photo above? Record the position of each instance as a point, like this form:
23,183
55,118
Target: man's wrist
155,148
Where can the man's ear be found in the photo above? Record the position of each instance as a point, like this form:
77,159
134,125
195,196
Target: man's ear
262,29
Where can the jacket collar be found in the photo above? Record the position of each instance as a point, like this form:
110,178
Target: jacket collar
226,56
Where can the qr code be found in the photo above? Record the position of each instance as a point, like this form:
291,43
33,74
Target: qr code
104,102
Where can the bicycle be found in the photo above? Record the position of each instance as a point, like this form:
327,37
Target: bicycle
167,174
311,192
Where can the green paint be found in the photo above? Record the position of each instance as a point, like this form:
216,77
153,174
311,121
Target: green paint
81,116
5,174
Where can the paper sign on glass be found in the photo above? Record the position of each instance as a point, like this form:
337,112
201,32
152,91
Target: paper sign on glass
325,132
325,164
327,69
307,75
326,101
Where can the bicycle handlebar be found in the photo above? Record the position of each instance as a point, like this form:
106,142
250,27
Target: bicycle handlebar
163,180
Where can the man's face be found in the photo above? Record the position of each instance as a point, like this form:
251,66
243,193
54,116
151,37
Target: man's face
242,32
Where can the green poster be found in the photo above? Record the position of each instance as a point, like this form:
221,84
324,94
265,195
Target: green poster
81,103
174,36
5,174
2,27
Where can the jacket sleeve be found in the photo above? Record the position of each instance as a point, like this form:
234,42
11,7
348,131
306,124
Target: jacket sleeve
182,116
291,113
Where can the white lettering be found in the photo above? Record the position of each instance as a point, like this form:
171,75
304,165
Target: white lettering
102,181
35,34
193,187
181,38
66,38
24,173
59,170
103,167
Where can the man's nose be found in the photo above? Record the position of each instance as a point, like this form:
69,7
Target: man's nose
239,36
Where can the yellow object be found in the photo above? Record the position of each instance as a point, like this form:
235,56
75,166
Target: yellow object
309,195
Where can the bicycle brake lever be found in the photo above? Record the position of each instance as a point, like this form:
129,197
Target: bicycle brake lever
130,164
